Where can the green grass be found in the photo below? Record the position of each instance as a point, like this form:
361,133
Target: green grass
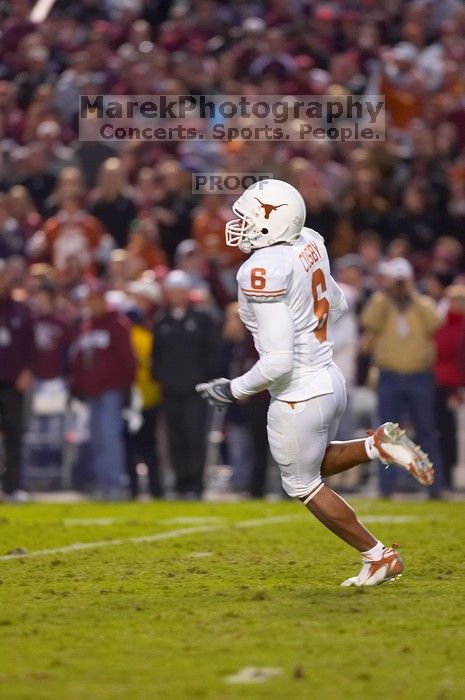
155,621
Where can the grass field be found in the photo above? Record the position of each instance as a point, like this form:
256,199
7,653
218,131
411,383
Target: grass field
216,588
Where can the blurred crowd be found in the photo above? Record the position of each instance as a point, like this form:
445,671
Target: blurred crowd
115,275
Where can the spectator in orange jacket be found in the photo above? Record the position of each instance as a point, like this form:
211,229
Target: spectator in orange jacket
72,231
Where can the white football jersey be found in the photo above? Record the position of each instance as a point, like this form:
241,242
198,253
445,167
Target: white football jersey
298,275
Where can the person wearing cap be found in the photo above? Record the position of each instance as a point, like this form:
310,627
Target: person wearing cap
400,326
185,352
102,371
449,371
141,444
17,355
189,258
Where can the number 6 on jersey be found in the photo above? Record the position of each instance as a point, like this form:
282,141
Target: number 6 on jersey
257,278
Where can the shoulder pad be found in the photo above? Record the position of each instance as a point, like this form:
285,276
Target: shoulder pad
265,276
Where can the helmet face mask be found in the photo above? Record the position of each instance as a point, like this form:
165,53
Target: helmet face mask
238,231
269,212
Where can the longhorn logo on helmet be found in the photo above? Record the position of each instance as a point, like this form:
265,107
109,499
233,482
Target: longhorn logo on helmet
268,208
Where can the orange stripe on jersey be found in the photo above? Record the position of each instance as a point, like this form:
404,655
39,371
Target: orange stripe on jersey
263,292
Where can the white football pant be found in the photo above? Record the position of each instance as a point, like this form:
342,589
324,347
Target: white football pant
299,434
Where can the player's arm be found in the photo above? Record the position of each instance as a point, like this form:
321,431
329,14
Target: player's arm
276,342
337,301
336,297
266,291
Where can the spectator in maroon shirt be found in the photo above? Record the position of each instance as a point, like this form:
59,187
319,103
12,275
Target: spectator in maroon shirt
102,371
52,335
449,372
17,356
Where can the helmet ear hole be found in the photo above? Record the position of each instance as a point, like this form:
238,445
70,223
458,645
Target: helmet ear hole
264,230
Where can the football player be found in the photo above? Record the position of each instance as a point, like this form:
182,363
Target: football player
289,301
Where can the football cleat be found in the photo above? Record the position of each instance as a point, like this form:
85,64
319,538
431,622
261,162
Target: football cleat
395,447
372,573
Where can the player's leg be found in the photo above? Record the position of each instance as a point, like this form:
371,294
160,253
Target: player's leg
341,455
338,516
388,443
380,563
344,455
298,436
329,508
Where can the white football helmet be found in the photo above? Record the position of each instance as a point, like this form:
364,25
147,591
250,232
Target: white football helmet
269,211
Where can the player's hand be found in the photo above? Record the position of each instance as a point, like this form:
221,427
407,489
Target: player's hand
217,392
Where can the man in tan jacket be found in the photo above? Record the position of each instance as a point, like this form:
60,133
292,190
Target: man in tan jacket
400,324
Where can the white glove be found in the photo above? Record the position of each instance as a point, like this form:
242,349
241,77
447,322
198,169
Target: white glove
217,392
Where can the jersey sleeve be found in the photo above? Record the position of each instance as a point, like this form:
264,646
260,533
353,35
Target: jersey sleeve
337,300
263,282
275,330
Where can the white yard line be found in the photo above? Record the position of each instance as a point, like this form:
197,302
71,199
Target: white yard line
192,520
270,520
105,522
389,519
171,534
183,532
92,522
